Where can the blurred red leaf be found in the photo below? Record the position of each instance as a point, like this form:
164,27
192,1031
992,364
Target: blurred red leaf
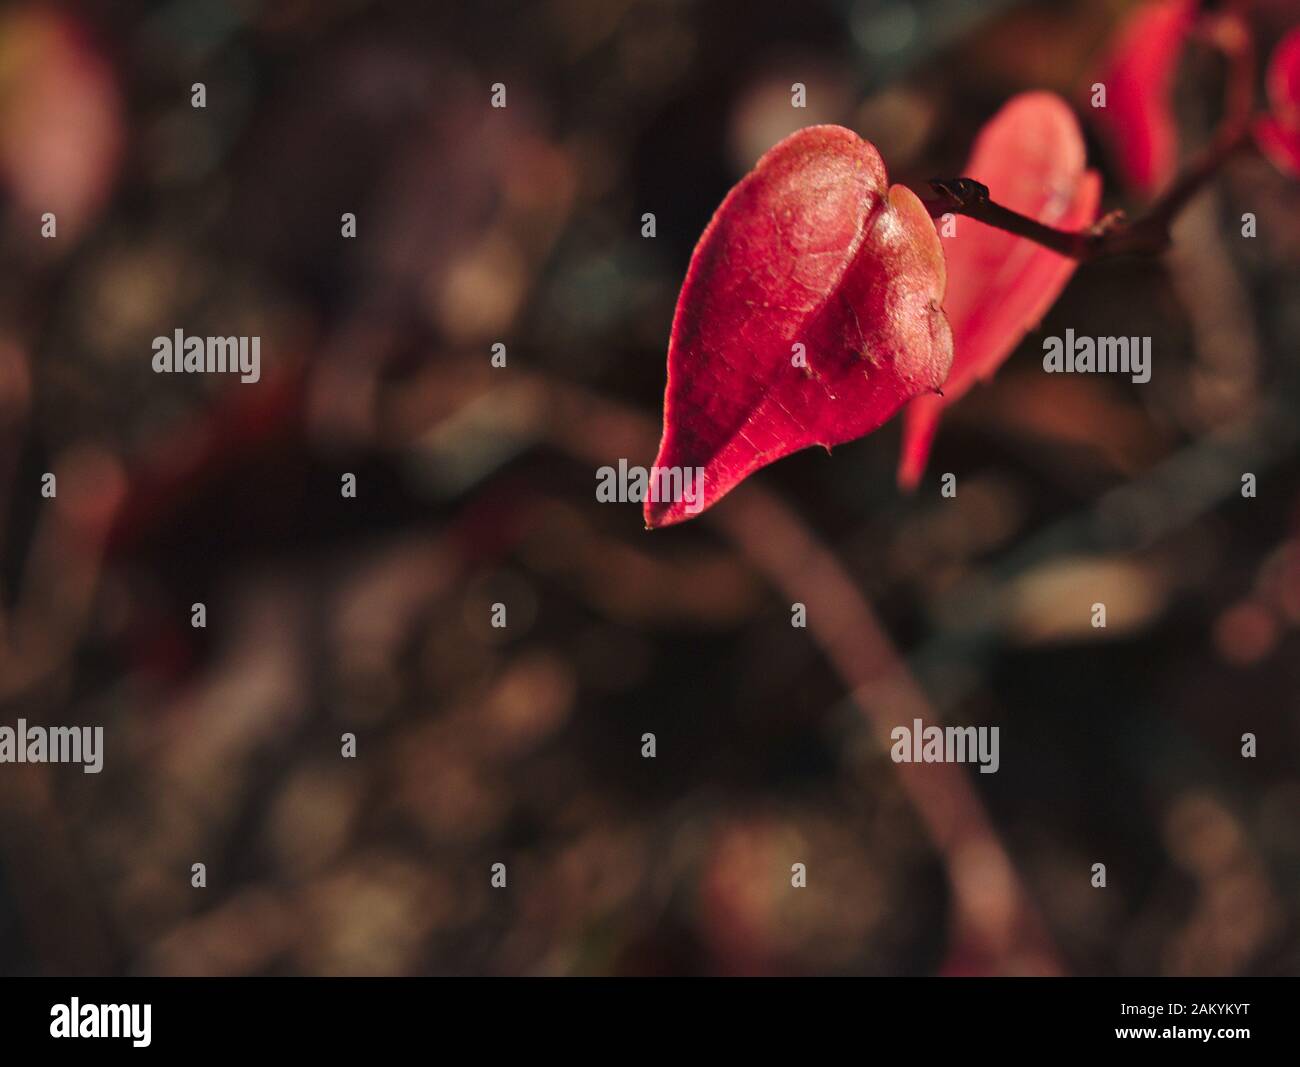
241,429
1031,155
811,248
60,118
1278,133
1138,121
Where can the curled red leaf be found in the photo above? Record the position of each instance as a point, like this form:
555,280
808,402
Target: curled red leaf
814,249
1138,121
1031,155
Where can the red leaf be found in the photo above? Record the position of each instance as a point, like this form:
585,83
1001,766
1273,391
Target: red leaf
1138,120
812,248
1278,134
1031,156
60,118
1284,78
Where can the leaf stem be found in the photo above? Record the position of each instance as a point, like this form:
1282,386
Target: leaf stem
1111,236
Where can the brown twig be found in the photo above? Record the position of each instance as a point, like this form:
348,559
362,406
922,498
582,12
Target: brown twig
1111,236
996,923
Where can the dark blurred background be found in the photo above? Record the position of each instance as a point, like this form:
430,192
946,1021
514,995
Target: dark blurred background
476,486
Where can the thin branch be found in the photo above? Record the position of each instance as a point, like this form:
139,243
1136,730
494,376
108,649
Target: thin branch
1111,236
965,196
995,918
